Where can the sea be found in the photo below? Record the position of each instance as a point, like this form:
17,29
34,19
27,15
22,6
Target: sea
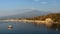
26,28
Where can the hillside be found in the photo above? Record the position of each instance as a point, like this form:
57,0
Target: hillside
31,13
54,16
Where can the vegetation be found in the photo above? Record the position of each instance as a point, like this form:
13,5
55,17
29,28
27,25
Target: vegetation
54,16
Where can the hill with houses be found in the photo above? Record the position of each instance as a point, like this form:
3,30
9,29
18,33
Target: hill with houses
54,16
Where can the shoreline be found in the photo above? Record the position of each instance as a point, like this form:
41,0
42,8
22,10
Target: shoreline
24,21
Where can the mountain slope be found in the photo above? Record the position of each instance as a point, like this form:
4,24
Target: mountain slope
30,13
54,16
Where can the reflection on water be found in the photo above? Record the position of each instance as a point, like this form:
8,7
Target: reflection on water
55,27
28,28
9,28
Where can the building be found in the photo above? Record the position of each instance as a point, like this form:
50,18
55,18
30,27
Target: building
48,21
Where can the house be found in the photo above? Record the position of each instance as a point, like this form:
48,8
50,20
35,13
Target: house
48,21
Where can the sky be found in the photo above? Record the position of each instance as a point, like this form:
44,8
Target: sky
11,7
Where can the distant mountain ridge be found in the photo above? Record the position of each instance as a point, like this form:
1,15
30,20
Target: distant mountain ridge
30,13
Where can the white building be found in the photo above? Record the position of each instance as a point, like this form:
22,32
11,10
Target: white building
49,21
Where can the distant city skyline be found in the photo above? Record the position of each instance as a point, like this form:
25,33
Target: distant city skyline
11,7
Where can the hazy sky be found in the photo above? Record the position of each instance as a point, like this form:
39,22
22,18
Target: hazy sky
10,7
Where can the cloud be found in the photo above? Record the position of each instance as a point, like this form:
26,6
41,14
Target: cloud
44,2
36,0
54,3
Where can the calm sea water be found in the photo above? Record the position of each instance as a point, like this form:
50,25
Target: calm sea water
25,28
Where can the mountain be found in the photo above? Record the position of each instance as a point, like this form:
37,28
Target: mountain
30,13
54,16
